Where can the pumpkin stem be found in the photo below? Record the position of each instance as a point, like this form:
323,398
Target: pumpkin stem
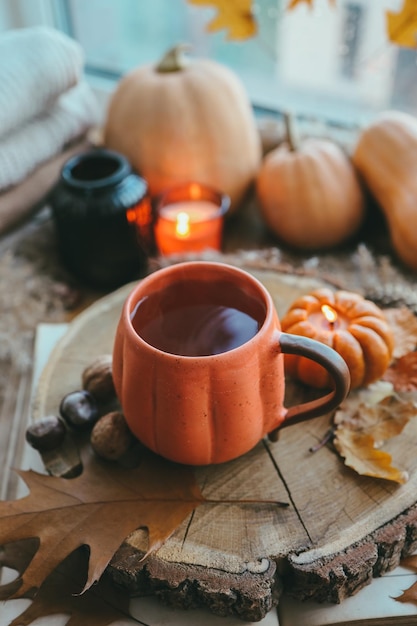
291,134
174,60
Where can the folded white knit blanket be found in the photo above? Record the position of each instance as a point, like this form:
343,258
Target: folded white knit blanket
43,137
37,65
44,100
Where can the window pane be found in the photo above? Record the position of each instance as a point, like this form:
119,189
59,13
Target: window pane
332,61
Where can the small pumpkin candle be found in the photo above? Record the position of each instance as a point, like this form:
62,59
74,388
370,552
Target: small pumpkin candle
353,326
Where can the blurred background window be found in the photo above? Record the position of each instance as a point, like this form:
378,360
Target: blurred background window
333,61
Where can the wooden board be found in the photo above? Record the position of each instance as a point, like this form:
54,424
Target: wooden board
338,531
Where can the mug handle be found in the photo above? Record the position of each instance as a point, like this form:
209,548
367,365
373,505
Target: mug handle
332,362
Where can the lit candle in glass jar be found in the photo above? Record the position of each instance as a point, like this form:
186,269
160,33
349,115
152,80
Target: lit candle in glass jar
190,219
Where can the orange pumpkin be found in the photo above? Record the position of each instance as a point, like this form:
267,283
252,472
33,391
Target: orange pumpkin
309,194
360,334
186,120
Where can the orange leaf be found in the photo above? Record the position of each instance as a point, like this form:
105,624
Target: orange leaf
99,508
234,15
402,374
402,26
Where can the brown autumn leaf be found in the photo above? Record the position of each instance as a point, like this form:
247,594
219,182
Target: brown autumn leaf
403,323
402,374
236,17
364,424
402,26
410,562
16,556
410,594
99,508
101,605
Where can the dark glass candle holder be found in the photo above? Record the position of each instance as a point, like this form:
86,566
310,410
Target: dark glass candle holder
103,219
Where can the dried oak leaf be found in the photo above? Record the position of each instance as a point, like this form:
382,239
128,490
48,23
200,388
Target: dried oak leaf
16,556
402,374
362,427
237,17
99,508
403,323
410,594
402,26
410,562
101,605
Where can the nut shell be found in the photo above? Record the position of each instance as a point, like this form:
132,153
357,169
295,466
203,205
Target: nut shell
111,437
97,378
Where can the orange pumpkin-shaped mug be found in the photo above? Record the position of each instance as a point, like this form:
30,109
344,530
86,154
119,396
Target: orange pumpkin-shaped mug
198,364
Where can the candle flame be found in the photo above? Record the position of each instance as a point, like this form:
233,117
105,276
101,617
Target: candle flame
329,313
182,226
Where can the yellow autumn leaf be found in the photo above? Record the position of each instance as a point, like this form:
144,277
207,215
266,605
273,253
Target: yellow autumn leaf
364,422
293,3
402,26
361,455
235,16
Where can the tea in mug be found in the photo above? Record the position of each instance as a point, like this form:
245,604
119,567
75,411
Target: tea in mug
193,325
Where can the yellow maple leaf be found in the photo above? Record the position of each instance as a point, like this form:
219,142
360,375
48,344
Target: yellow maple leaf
402,26
234,15
293,3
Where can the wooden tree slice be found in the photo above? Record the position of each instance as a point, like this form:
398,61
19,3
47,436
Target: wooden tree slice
339,530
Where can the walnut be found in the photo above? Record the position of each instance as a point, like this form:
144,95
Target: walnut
97,378
111,437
